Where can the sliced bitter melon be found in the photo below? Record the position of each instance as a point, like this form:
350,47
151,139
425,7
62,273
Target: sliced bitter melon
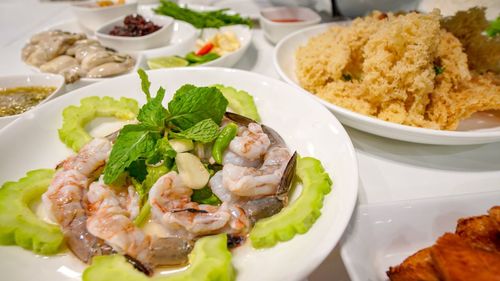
18,224
75,118
210,260
300,215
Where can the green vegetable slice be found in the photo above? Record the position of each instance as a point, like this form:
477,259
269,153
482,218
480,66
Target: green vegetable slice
210,260
18,224
300,215
72,132
240,102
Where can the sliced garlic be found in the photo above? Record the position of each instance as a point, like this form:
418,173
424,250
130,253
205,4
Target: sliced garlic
181,145
192,172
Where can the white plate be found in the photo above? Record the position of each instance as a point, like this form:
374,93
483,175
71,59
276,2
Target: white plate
304,124
383,235
284,62
242,32
183,36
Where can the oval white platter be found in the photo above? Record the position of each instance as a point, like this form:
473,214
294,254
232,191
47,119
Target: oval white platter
31,142
480,128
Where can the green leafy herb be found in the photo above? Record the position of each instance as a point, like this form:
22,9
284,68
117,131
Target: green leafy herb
191,105
153,113
346,77
203,131
137,169
438,69
145,84
494,28
206,19
163,151
133,142
205,196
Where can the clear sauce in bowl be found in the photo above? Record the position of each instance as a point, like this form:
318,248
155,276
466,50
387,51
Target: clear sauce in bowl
20,99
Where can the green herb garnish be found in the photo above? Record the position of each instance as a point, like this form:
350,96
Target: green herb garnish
438,69
494,28
215,19
346,77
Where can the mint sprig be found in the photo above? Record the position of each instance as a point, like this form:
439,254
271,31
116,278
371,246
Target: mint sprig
204,131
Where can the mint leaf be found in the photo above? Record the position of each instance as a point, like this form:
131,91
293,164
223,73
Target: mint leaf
137,169
205,196
191,105
153,113
163,151
133,142
203,131
145,84
494,28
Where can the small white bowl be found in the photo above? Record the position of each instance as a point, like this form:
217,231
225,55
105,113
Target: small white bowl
31,80
94,17
275,31
159,38
243,33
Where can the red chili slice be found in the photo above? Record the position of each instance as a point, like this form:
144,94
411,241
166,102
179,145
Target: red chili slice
205,49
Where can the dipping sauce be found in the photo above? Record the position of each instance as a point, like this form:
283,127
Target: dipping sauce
134,26
287,20
20,99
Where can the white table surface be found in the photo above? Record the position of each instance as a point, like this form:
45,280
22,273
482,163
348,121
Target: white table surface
389,170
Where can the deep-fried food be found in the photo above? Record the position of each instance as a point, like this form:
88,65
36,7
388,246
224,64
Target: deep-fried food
417,267
472,253
399,68
456,260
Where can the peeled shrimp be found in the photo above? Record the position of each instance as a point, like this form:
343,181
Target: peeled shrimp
111,219
64,198
171,206
253,182
251,142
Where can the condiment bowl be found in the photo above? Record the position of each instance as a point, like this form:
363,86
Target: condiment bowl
159,38
277,22
92,17
31,80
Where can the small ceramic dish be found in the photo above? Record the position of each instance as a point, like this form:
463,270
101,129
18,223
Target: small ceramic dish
278,22
242,32
31,80
92,17
156,39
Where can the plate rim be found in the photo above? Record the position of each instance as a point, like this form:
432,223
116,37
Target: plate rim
454,137
351,196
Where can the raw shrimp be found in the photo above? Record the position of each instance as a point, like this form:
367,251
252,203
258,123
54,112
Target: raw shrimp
171,206
111,220
64,198
251,142
253,182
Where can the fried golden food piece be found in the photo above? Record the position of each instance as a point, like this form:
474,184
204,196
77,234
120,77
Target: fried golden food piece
417,267
455,260
483,51
480,232
399,68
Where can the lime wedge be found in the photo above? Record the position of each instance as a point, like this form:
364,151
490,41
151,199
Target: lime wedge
166,62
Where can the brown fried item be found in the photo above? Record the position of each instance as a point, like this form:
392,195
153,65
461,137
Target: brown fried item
480,232
483,52
404,69
472,253
456,260
417,267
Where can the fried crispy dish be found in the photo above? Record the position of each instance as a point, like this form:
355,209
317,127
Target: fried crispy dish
403,68
471,253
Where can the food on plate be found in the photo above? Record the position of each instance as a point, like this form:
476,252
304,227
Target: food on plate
108,3
483,51
222,43
471,253
216,19
20,99
73,55
134,26
403,68
181,184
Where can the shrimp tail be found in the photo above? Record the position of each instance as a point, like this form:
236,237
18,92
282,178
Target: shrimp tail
170,251
287,179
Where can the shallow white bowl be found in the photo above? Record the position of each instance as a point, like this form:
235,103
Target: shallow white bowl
275,31
305,126
482,128
383,235
243,33
93,18
31,80
157,39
